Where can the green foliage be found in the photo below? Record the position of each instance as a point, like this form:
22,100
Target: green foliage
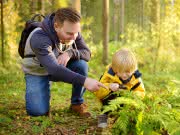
156,113
86,30
10,19
124,109
156,47
89,10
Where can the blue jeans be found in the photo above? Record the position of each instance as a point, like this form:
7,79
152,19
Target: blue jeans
38,90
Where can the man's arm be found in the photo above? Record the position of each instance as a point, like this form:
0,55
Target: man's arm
42,48
41,45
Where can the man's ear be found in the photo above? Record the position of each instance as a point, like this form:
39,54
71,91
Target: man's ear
56,26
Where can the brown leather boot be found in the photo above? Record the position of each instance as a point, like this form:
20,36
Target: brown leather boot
81,109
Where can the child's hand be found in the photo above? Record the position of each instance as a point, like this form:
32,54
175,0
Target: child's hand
114,86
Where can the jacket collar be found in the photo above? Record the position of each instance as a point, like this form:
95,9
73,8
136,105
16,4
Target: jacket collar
111,72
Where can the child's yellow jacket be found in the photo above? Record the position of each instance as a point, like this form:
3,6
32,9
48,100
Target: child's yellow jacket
134,83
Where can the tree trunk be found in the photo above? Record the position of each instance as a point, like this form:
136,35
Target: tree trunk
105,30
2,33
155,13
77,5
141,18
121,17
39,5
43,7
172,2
52,3
39,8
20,3
33,6
115,20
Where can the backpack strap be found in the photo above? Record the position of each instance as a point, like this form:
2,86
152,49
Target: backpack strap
30,26
42,26
37,15
28,51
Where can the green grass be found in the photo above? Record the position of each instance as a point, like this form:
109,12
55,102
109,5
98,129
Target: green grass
14,120
13,117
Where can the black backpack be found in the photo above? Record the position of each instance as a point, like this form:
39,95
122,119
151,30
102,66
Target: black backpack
29,27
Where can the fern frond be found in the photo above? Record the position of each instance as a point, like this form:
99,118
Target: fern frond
139,123
114,105
173,128
121,124
176,131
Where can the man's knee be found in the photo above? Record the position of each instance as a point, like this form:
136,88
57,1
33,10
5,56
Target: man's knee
80,66
83,66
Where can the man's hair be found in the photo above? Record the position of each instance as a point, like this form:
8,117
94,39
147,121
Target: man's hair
68,14
124,60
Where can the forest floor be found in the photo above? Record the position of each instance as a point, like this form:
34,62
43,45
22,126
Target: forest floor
14,120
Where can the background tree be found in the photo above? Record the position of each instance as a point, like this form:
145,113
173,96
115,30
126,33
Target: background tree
115,15
2,33
141,13
151,29
122,14
33,6
155,20
105,30
76,4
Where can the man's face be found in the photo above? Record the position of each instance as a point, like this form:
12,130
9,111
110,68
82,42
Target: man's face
67,32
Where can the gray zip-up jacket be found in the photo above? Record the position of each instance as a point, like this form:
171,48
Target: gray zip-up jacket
41,43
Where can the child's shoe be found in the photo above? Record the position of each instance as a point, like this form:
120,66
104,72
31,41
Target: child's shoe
102,121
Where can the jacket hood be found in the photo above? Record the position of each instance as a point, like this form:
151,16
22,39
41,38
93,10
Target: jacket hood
48,26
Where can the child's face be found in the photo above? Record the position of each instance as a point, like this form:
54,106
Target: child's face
124,75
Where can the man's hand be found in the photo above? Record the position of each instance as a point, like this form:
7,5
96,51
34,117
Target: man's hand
63,59
114,86
93,85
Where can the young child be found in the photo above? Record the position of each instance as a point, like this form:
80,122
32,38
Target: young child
121,74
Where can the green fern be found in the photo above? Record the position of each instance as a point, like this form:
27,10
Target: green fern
128,100
121,124
139,123
125,114
157,114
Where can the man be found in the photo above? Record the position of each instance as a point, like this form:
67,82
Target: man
60,55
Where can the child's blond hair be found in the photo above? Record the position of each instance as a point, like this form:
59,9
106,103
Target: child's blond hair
124,61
